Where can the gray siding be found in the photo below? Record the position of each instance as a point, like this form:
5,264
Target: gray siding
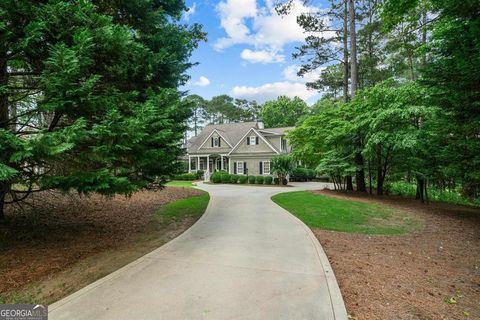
244,148
253,163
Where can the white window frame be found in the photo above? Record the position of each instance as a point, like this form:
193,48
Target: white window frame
238,167
283,144
216,142
269,168
254,139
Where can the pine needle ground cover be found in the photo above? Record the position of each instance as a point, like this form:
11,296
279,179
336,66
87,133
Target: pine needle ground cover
64,242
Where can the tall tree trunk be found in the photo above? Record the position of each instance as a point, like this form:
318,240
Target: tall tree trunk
360,174
424,37
345,52
3,116
379,171
353,48
349,183
420,188
349,179
369,177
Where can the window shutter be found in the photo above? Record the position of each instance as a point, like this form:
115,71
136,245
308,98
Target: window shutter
245,169
248,140
256,140
211,141
261,167
219,142
235,167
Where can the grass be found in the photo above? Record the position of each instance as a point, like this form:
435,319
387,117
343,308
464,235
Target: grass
323,212
185,208
179,183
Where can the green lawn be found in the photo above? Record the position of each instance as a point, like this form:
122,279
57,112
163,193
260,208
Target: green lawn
323,212
179,183
180,209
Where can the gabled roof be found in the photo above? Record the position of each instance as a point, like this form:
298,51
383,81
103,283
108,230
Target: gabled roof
231,133
257,134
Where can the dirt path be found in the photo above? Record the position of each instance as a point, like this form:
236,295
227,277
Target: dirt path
433,274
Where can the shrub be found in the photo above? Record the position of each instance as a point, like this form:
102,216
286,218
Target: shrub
282,166
242,179
226,178
234,178
311,174
268,180
216,177
299,174
199,174
185,176
260,179
251,179
276,181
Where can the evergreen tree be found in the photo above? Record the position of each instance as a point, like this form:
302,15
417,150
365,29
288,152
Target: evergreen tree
88,97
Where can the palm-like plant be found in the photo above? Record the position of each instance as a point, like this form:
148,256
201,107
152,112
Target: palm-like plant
282,166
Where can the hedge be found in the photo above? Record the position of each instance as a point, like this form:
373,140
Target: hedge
186,176
252,179
260,179
242,179
268,180
234,178
300,174
226,178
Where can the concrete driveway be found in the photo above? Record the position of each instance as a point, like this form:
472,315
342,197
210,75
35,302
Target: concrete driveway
246,258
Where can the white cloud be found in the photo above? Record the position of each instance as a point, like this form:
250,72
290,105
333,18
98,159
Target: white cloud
202,82
261,27
290,74
270,91
190,12
233,15
262,56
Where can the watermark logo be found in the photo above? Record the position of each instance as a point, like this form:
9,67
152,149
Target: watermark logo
23,312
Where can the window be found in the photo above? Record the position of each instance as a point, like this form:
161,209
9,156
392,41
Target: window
253,140
266,167
284,144
240,167
216,142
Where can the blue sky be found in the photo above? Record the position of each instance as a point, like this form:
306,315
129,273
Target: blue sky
249,50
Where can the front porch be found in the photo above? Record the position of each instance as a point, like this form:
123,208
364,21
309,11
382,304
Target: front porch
208,163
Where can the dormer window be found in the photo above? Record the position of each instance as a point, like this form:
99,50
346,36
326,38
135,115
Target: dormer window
216,142
252,140
283,144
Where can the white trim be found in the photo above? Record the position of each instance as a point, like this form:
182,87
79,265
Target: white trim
269,168
214,130
254,140
271,132
243,169
258,134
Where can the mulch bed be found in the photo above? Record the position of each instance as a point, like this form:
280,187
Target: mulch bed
54,230
432,274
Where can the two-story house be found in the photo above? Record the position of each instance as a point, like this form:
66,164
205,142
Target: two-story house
239,148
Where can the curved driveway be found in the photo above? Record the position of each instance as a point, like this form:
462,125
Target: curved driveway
246,258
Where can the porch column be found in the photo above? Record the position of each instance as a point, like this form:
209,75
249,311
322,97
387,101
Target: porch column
189,164
221,162
229,165
198,162
208,163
